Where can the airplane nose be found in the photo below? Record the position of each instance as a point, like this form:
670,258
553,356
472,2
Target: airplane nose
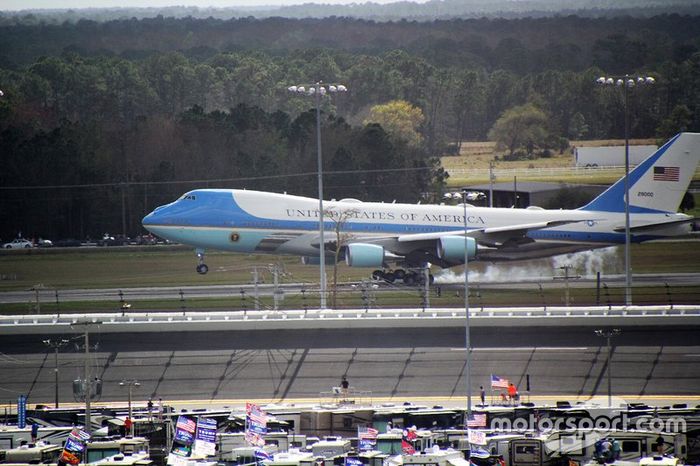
147,220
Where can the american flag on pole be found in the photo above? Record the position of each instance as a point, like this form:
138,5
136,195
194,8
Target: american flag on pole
255,415
498,382
186,424
256,424
477,420
367,437
80,434
667,173
364,432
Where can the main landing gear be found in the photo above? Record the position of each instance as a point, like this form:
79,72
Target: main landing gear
201,266
409,278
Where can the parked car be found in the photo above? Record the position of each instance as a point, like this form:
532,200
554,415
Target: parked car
44,243
18,243
145,239
67,243
108,240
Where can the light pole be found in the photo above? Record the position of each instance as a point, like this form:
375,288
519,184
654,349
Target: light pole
130,384
56,345
608,334
467,329
627,82
87,387
318,90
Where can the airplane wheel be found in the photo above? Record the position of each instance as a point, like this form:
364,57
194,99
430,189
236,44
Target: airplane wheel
377,275
202,269
409,279
399,274
389,277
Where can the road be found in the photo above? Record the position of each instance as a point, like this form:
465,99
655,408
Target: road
49,296
394,364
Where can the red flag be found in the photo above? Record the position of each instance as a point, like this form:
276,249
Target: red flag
407,448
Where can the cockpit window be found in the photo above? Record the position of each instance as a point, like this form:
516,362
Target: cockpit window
190,197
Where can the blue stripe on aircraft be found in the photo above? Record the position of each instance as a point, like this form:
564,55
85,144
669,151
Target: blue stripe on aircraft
220,209
597,237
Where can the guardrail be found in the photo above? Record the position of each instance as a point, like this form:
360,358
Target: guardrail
669,290
508,173
351,318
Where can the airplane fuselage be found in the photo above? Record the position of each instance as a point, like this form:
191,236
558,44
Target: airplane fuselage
254,221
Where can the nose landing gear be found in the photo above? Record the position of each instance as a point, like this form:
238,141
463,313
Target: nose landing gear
201,266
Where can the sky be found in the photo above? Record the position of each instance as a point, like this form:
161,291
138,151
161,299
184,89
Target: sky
64,4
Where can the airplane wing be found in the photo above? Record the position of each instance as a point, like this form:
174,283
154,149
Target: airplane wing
496,236
653,226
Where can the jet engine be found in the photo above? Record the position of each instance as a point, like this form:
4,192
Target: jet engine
364,255
451,248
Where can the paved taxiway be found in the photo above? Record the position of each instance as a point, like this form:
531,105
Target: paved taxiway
391,363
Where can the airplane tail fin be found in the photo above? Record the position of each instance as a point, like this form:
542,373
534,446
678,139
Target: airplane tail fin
659,183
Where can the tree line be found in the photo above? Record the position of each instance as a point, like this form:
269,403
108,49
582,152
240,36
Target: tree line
425,11
119,116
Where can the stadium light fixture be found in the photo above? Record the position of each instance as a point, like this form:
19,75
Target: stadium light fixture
627,82
318,90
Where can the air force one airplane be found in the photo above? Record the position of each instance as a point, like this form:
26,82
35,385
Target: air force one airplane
374,234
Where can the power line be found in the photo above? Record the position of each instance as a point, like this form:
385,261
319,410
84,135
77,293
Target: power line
215,180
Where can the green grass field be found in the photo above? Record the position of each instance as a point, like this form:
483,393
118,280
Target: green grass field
174,266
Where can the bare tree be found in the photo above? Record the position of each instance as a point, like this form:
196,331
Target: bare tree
340,218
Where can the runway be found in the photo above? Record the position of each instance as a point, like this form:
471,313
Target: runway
392,364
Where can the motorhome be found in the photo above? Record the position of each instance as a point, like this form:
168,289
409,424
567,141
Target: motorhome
136,459
39,453
434,456
330,448
13,436
121,446
549,448
391,442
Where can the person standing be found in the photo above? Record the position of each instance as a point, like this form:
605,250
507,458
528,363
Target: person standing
659,444
482,395
35,432
344,386
512,393
150,409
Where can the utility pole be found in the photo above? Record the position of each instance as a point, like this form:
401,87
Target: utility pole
56,345
566,278
467,328
492,178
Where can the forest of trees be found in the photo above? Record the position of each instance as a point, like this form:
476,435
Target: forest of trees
131,113
395,10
